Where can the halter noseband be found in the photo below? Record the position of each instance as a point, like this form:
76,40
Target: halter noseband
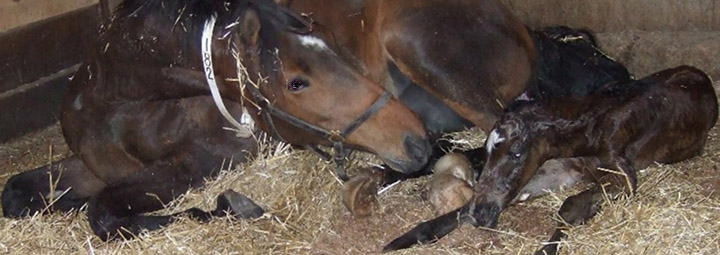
266,109
336,137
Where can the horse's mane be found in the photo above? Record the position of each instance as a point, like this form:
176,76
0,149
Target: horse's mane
185,19
172,9
190,14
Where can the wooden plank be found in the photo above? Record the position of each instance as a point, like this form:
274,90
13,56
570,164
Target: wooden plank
17,13
44,47
33,106
108,7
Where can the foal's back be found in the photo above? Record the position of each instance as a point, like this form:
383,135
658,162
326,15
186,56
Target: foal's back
667,121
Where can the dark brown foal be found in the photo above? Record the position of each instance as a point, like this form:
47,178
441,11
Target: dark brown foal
664,118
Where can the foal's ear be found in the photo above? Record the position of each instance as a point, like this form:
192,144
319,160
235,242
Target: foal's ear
250,28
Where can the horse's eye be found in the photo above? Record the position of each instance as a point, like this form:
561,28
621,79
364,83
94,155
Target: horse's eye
515,155
297,84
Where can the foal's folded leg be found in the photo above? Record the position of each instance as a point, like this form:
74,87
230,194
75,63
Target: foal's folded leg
578,209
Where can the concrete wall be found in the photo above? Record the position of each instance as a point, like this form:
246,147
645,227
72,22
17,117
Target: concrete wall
646,35
17,13
622,15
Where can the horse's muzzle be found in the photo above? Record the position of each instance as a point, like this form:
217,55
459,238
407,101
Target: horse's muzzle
418,152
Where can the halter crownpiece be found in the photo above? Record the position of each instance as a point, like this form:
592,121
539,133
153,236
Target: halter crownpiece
266,109
243,128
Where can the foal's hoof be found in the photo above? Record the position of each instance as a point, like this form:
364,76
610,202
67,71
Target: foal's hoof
359,195
451,185
547,250
446,194
238,205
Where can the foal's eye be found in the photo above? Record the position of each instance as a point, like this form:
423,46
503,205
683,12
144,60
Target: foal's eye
297,84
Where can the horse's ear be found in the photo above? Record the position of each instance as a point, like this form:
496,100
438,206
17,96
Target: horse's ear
250,27
294,22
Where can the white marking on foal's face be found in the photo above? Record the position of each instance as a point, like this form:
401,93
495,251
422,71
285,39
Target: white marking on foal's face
313,42
492,140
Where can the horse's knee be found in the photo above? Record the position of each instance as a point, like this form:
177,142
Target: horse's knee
22,197
106,221
117,212
101,221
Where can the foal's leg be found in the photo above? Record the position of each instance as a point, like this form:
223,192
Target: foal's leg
63,186
579,208
118,208
555,174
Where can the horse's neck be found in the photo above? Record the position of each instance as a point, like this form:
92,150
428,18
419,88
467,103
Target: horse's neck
157,62
344,24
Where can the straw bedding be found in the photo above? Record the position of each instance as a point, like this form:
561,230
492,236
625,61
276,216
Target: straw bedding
676,211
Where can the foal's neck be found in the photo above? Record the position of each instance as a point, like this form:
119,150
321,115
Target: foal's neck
565,131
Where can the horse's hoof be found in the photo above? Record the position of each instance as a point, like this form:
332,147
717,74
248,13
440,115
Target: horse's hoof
359,195
238,205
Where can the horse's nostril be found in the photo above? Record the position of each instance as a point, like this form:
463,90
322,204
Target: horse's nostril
418,148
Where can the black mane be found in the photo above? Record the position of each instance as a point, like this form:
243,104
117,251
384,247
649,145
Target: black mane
181,21
168,8
177,25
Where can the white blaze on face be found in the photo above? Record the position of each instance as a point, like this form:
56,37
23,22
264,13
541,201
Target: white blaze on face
493,139
313,42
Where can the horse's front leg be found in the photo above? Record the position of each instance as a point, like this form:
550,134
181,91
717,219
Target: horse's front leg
117,210
63,185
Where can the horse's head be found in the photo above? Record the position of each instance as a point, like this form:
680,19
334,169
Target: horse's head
514,154
299,90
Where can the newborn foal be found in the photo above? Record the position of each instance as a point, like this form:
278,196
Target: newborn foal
624,127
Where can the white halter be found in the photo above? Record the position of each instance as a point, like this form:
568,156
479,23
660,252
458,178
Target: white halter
243,128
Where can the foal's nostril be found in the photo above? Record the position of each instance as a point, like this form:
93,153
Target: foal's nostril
418,148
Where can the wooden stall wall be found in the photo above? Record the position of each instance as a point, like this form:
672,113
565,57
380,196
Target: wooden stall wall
41,44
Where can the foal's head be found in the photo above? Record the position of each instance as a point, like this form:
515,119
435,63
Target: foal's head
514,154
300,75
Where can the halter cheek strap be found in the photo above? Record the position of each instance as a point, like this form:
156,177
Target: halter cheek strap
243,128
336,137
